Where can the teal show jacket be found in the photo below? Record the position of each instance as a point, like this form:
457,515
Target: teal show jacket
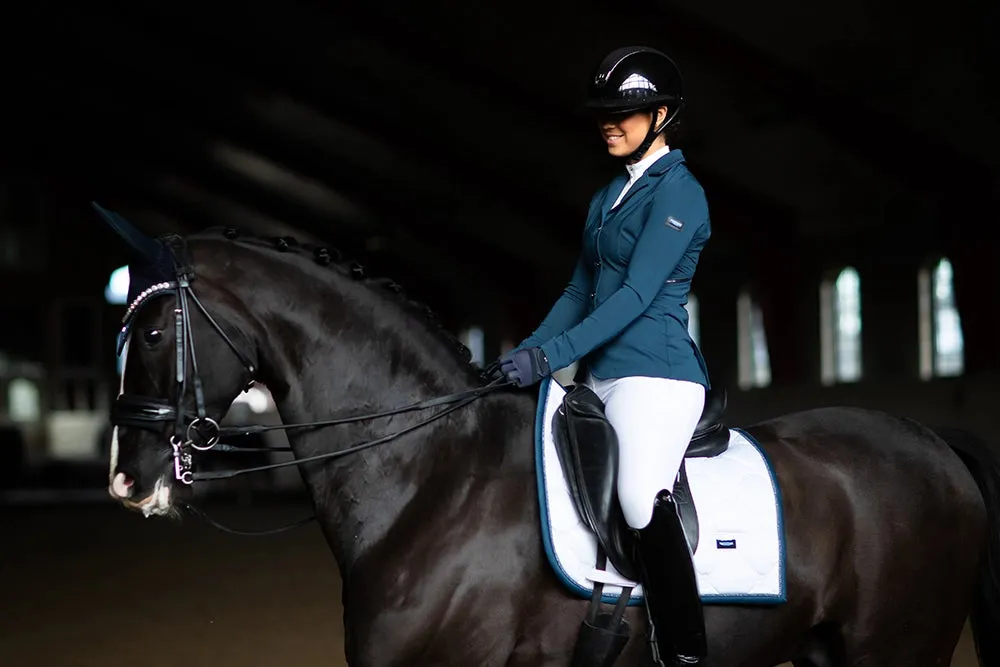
623,312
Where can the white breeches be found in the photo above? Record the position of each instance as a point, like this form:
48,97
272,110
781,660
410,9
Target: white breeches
654,419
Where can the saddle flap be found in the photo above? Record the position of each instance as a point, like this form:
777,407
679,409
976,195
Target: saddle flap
587,448
593,451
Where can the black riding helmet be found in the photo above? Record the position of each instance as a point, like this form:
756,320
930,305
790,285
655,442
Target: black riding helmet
636,78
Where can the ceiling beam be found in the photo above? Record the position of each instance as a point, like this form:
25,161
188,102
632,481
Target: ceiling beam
301,136
197,66
222,100
568,168
875,136
546,87
176,139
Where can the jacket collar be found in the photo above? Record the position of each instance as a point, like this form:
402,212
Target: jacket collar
659,167
663,164
635,171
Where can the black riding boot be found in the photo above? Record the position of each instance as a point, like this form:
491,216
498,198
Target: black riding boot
670,587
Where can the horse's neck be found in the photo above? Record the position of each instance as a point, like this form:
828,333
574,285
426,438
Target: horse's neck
380,496
363,498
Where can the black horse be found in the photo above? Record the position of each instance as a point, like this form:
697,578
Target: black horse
893,532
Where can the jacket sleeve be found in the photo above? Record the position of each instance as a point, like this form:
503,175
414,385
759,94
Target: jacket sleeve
567,311
669,228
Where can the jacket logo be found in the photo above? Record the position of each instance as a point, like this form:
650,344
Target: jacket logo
674,223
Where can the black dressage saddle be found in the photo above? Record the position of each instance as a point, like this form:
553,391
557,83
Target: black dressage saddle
587,446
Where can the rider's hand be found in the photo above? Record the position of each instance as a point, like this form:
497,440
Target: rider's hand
525,367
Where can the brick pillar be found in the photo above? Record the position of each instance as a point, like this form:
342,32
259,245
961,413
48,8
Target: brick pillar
977,296
717,286
782,292
890,325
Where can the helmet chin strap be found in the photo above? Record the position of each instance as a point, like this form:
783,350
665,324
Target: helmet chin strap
651,135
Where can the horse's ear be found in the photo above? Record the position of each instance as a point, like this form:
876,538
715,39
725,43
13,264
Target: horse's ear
147,247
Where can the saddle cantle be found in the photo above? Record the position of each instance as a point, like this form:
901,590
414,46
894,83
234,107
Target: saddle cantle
711,437
587,447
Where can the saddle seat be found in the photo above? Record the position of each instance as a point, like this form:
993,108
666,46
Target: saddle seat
587,446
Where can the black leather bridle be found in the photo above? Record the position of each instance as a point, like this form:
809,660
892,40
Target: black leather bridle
197,431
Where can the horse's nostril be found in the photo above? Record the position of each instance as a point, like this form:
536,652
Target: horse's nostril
121,485
127,473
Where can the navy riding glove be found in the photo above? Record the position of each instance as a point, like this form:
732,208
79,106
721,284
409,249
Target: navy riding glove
525,367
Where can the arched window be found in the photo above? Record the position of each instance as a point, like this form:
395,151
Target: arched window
942,347
24,401
116,291
840,327
474,338
754,360
693,324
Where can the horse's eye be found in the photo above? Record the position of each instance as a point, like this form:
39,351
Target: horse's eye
152,336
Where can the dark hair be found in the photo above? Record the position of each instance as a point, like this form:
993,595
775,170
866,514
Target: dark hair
674,132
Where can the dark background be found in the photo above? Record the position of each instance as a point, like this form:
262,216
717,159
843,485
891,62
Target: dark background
439,143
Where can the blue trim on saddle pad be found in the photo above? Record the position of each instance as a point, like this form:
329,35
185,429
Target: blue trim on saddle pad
611,598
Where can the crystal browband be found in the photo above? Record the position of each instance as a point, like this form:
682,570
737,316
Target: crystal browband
145,294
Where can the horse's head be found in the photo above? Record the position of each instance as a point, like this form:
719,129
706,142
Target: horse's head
173,336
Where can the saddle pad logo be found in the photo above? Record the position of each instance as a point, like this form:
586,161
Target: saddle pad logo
674,223
725,544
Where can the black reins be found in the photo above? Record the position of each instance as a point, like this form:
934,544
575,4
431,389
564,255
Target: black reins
197,431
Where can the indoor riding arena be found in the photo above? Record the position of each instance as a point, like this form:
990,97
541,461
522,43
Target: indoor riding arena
300,302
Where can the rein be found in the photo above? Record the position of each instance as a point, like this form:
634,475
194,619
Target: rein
197,431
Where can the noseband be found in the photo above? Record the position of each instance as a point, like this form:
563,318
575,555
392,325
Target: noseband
196,431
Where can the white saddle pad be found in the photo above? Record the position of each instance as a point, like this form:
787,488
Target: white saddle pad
740,557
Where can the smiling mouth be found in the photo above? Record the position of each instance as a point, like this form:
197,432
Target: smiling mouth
612,138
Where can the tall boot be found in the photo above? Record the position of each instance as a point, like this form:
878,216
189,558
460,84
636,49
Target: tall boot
670,586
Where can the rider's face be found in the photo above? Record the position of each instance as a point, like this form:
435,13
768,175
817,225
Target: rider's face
624,133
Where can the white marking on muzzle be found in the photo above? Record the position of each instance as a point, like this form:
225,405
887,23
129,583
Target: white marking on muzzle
114,431
156,503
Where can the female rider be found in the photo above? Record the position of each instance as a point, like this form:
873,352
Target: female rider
623,317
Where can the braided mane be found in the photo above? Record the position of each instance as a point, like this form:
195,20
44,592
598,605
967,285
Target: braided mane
333,258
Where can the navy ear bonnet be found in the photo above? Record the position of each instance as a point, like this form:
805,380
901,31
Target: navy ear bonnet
151,272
